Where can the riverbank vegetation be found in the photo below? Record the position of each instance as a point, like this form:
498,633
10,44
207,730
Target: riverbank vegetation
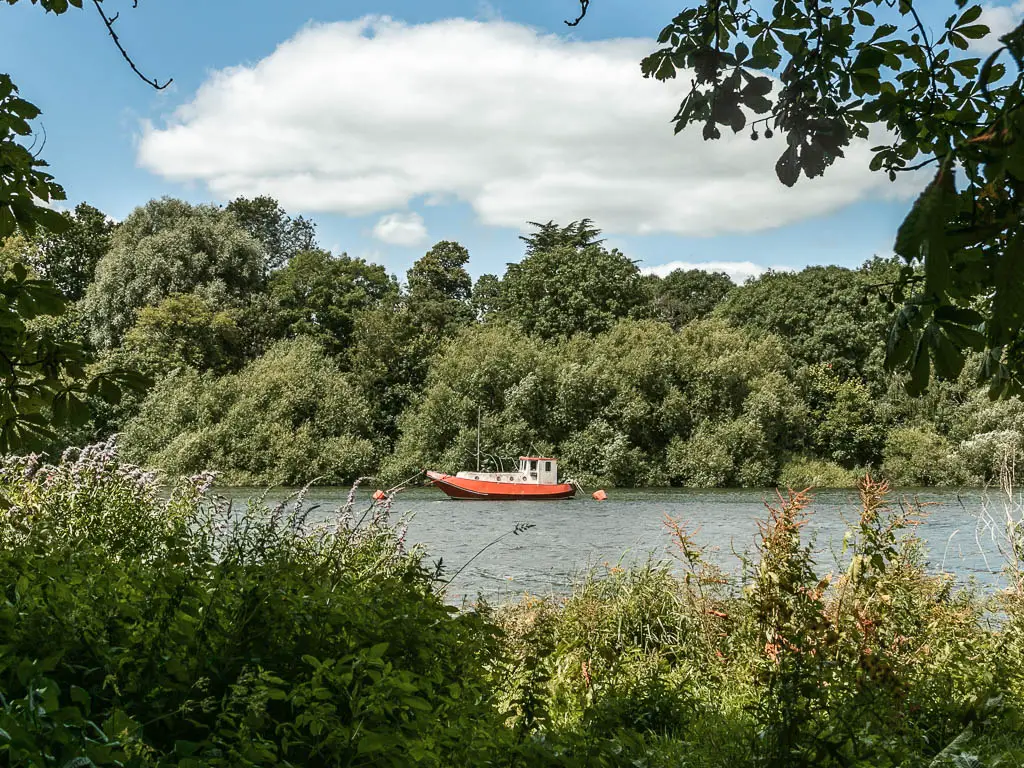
274,361
145,626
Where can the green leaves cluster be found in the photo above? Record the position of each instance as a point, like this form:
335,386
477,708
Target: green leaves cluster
43,382
142,629
825,74
25,188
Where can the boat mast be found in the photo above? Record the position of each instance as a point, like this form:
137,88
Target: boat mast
478,438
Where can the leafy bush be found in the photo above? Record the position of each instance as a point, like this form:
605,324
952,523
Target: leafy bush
803,472
732,453
150,629
916,456
289,417
985,456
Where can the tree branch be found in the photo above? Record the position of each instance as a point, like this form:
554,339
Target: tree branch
108,21
927,47
584,4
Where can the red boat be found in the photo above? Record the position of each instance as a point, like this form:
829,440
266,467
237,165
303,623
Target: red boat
536,478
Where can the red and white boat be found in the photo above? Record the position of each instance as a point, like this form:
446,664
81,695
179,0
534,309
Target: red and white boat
536,478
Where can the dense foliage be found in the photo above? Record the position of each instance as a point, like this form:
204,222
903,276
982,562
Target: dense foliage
43,378
150,627
289,417
323,366
148,630
826,74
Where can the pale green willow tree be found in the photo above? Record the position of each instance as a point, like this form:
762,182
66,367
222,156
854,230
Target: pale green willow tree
823,73
42,378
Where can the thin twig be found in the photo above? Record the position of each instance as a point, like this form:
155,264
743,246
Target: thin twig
109,23
518,529
584,4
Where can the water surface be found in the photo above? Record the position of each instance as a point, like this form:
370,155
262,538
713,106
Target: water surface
570,537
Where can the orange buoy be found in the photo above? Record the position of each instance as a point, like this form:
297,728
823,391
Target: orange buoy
379,495
599,495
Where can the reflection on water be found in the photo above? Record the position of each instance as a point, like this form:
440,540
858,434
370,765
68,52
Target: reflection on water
570,537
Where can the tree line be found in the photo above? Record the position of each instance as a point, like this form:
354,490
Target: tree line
273,360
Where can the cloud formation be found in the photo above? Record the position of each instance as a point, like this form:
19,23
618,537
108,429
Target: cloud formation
361,117
401,229
738,271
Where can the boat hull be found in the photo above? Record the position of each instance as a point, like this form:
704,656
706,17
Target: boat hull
466,488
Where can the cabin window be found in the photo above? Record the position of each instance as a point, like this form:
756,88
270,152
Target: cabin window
533,465
547,466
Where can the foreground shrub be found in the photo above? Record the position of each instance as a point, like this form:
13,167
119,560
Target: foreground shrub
151,627
144,629
883,664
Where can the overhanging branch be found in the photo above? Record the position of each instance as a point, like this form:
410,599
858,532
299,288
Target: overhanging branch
583,12
108,21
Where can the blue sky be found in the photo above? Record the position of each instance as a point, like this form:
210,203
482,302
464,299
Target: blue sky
395,134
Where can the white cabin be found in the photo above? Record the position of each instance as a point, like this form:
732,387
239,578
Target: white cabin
533,470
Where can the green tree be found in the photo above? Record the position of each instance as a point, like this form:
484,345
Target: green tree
576,234
683,296
486,298
69,259
440,288
281,236
319,295
826,315
169,247
844,425
43,375
389,359
290,417
842,69
567,284
183,330
486,367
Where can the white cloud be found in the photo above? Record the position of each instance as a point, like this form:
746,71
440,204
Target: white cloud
1000,19
400,229
738,271
361,117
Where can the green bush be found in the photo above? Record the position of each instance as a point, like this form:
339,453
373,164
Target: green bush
916,456
151,629
287,418
802,472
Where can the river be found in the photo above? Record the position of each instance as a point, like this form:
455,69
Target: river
569,537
